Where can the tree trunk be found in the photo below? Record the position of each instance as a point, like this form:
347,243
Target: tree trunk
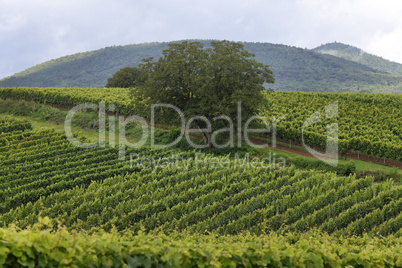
206,135
209,137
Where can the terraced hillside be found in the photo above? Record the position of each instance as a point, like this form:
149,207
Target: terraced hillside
42,173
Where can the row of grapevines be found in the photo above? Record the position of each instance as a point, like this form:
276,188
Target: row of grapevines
331,210
70,97
368,123
10,124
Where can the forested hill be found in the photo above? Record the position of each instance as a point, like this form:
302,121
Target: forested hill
357,55
294,69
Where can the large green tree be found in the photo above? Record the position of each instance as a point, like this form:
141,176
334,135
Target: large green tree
125,78
203,82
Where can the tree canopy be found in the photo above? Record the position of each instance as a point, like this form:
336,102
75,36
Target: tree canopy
125,78
203,82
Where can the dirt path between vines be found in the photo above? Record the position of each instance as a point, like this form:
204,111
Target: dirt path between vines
353,155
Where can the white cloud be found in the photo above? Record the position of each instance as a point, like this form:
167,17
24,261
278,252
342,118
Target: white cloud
374,26
387,44
34,31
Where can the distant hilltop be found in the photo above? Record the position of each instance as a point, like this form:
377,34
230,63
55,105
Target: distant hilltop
357,55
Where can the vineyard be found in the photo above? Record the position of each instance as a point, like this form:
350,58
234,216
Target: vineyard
42,173
63,205
370,124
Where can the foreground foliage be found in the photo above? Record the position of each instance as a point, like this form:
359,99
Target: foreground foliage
42,247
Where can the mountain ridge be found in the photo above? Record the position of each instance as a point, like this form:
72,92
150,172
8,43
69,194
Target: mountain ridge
295,69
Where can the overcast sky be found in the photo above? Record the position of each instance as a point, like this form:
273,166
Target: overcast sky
34,31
